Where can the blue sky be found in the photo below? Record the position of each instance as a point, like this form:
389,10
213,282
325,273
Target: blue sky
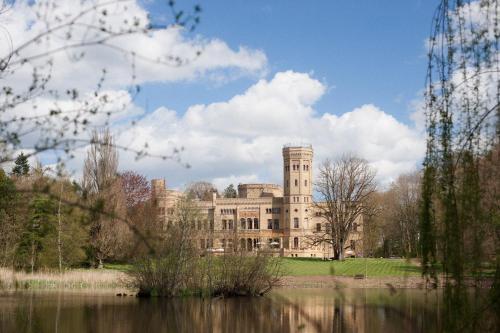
364,51
344,76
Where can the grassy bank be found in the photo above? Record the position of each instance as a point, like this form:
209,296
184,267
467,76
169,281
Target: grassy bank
91,280
370,267
114,276
375,267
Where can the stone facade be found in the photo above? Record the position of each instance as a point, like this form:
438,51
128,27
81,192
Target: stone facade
265,216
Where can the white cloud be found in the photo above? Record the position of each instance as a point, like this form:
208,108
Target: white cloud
155,52
237,140
241,139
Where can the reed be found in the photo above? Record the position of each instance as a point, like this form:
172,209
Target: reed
74,279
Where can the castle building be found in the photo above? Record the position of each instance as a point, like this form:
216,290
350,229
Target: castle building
278,219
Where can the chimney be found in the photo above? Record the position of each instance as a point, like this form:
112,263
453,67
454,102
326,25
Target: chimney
214,197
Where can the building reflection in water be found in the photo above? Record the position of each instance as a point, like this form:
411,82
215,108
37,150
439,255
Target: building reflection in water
290,310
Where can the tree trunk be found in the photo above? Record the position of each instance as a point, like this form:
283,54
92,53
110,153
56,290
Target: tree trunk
32,256
341,250
59,227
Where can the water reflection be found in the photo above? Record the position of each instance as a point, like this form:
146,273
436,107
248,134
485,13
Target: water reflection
308,310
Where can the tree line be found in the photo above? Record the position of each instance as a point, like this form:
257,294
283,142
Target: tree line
52,221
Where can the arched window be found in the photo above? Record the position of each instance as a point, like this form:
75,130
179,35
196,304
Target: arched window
243,223
296,182
296,242
242,244
256,223
249,244
249,223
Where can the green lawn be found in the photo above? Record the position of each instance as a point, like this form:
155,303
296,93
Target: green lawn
118,267
350,267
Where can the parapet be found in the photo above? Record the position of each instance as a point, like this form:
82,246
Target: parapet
259,190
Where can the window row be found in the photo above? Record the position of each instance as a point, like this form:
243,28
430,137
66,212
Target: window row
227,225
249,223
228,211
296,167
250,244
296,182
202,225
297,199
275,210
273,224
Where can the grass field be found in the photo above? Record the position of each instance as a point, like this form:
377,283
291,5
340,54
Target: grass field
350,267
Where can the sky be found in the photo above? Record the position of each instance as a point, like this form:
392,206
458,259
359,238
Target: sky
345,76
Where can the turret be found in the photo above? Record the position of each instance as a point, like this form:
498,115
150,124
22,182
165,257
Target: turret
297,166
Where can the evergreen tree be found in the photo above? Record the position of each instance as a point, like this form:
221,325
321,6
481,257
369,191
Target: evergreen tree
22,167
9,219
40,224
230,192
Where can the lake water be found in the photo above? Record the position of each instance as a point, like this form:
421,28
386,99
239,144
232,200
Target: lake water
285,310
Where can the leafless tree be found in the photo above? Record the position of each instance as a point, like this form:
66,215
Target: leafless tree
405,210
344,186
104,192
136,188
101,165
201,190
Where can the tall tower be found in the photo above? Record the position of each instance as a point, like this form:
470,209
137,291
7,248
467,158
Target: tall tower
297,198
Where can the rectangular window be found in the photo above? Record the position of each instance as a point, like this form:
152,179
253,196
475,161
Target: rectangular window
223,242
295,222
296,182
230,225
318,226
224,224
269,224
276,225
